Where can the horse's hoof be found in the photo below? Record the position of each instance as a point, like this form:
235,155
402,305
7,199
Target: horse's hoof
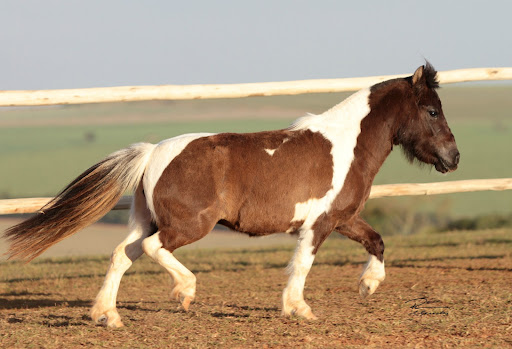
185,295
308,315
113,320
102,320
367,287
185,302
303,312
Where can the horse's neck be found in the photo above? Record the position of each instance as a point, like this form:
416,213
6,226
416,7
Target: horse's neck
375,142
352,124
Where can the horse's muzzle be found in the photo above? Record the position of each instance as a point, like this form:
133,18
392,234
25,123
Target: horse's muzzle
448,161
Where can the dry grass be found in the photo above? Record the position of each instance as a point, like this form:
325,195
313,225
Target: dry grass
465,276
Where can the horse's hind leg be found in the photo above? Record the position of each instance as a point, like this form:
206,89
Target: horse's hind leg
184,281
373,272
104,308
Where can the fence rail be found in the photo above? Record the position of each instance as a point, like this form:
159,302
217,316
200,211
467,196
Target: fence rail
175,92
15,206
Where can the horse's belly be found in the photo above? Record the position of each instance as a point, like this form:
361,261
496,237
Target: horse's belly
259,218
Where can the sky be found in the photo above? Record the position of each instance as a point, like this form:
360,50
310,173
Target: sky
49,44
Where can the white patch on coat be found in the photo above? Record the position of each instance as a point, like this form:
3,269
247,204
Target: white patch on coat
270,151
162,156
302,210
341,125
303,254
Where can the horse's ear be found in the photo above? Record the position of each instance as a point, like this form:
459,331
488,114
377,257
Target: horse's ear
418,75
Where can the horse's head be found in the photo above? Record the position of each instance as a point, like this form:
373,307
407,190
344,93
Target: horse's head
425,134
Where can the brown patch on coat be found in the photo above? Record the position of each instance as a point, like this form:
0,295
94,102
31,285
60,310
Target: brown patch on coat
229,178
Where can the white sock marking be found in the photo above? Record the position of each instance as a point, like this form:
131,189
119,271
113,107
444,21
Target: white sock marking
120,262
374,269
373,274
184,280
302,260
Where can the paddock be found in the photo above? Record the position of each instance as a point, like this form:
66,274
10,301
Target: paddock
31,303
464,275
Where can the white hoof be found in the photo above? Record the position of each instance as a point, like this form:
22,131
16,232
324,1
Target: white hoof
297,308
304,312
102,320
184,294
109,318
373,274
367,287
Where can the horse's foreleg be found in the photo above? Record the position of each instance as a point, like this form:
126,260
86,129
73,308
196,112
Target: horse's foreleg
293,294
184,281
104,308
373,272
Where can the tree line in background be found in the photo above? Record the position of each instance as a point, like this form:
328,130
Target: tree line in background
399,219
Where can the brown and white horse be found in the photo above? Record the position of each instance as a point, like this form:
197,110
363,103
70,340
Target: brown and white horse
309,179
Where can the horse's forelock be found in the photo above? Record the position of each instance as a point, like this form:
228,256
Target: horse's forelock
431,75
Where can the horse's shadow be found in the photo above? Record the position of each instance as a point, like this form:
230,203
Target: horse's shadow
55,320
243,311
412,263
24,300
80,276
21,302
65,321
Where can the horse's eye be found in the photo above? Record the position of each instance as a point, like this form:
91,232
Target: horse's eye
433,113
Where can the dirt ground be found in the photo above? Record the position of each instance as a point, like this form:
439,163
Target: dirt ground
448,290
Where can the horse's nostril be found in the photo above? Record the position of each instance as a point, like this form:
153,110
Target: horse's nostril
456,159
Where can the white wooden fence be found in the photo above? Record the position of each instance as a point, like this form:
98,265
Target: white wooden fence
167,92
11,206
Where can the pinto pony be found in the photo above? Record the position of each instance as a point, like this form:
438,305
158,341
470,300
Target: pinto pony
310,179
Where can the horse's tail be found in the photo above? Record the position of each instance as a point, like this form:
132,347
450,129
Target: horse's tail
85,200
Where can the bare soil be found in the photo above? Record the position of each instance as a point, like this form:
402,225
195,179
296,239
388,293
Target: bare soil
448,290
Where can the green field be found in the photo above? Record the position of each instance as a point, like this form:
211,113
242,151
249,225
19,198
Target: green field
41,149
466,275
